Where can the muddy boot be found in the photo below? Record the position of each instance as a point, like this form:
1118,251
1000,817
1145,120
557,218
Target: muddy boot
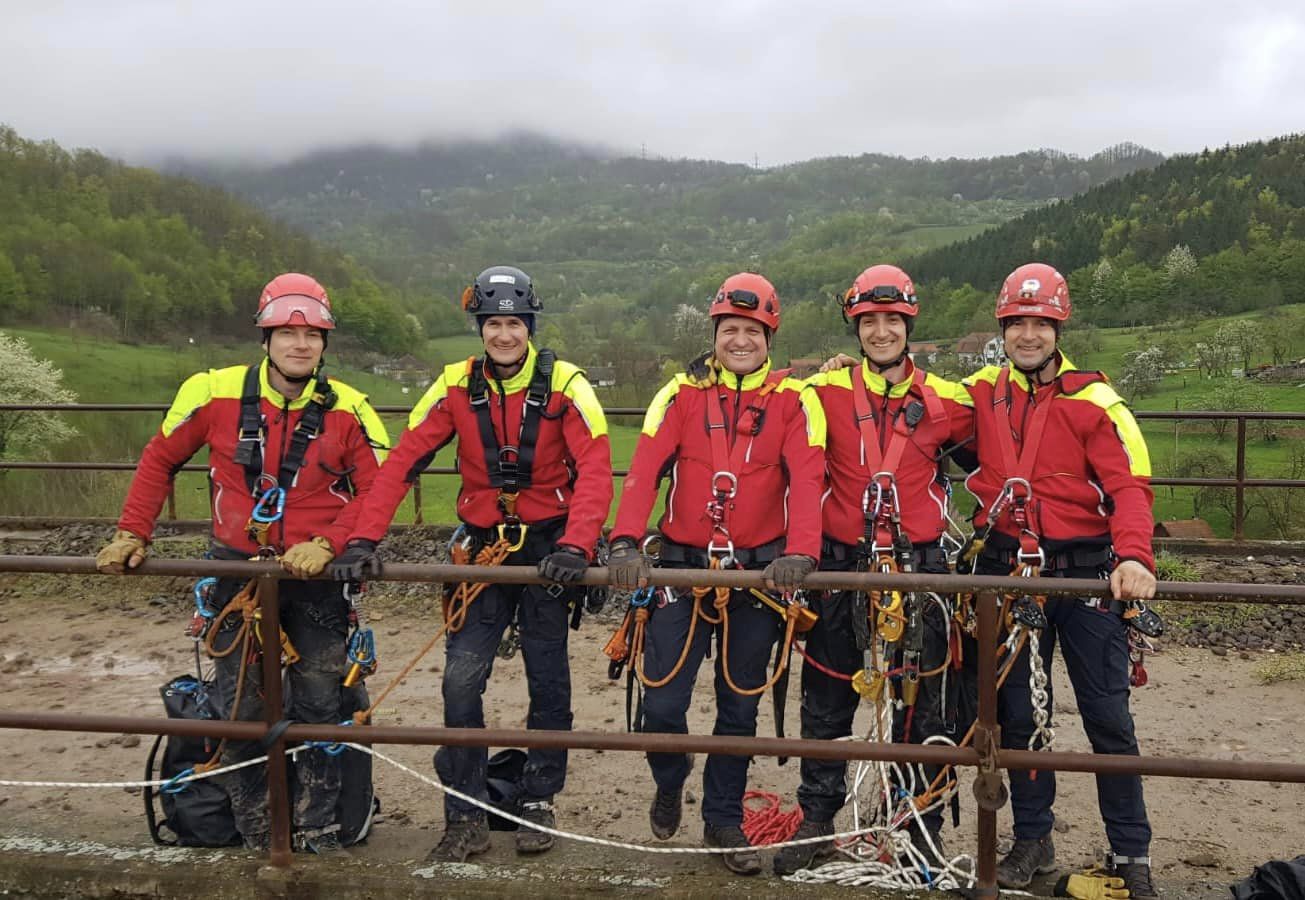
665,813
745,861
461,839
537,812
790,859
1136,872
1026,859
321,841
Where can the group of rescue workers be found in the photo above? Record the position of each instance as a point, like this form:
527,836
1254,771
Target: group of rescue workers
843,471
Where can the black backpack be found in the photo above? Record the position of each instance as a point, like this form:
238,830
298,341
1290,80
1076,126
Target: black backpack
199,813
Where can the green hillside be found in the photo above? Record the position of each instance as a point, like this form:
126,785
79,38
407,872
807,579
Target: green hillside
129,253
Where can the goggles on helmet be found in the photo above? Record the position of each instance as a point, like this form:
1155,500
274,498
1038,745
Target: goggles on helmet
295,309
883,293
742,299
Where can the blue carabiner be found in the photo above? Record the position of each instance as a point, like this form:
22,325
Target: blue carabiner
642,597
203,588
173,785
362,647
270,506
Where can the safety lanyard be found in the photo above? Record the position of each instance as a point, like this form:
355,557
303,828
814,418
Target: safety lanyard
728,460
879,502
1016,495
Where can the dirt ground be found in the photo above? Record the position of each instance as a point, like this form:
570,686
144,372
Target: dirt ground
101,645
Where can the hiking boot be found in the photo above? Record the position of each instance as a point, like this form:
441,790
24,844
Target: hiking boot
537,812
1026,859
317,841
789,859
1137,878
461,839
258,843
665,812
745,861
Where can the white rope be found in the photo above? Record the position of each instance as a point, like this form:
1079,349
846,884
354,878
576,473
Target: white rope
156,783
587,839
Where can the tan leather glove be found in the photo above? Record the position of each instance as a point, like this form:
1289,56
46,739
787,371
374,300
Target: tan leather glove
1092,884
308,558
125,551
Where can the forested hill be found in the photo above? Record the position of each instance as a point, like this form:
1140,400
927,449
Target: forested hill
590,219
1217,232
139,255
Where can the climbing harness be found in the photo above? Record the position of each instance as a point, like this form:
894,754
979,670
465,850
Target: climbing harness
361,649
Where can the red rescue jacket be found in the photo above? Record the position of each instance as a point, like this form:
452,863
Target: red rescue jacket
948,418
1091,478
781,480
572,436
338,468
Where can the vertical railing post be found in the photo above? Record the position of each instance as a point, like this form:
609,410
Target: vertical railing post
416,501
1239,516
278,793
172,501
987,739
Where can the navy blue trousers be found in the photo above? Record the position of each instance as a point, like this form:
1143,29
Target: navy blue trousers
542,621
1094,644
753,631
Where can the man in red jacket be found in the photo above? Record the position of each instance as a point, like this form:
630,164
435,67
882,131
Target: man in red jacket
744,447
888,425
1063,490
291,453
536,487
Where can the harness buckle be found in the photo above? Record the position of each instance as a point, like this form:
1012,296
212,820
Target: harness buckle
514,543
727,489
726,552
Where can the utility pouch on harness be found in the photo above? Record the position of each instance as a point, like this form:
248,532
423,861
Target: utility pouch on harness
198,813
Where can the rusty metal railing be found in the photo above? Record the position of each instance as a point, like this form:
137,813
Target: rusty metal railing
985,754
1239,482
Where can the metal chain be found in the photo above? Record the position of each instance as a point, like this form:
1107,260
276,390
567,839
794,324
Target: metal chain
1039,697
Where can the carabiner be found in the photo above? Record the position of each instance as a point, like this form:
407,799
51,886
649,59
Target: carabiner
203,590
174,785
513,546
270,506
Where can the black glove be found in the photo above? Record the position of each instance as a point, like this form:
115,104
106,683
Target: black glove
565,565
786,572
627,565
358,561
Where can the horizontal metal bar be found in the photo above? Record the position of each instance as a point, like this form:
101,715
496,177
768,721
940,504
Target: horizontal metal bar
655,742
685,578
131,467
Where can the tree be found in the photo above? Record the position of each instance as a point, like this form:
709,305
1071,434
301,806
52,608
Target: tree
1143,370
690,332
26,379
1243,338
1180,263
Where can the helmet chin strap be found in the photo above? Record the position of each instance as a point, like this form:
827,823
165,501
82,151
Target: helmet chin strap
1032,373
881,368
294,379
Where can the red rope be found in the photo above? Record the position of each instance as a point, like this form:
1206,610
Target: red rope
768,823
821,667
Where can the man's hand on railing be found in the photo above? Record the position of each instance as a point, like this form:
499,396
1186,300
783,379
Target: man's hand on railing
125,551
358,562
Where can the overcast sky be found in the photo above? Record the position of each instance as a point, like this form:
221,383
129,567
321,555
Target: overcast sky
721,79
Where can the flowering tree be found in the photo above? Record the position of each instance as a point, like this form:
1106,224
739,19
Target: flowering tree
26,379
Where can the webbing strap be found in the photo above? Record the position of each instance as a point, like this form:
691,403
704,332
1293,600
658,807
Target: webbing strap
728,452
249,439
509,467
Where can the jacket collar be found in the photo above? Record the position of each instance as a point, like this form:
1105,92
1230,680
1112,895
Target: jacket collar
877,384
1019,378
750,382
278,399
521,380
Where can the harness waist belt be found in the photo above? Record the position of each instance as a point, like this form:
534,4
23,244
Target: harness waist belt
697,558
1057,560
921,554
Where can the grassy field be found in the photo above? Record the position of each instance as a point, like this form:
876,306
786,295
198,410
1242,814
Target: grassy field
102,371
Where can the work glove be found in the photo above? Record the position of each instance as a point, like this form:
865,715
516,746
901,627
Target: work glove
125,551
307,558
627,566
358,561
1093,884
565,565
786,573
